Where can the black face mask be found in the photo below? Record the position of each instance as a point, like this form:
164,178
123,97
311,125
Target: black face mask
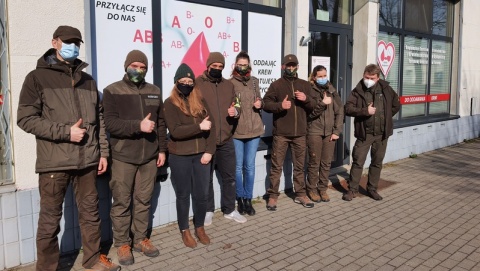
215,73
185,89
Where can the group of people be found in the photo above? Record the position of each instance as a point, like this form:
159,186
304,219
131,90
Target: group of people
209,119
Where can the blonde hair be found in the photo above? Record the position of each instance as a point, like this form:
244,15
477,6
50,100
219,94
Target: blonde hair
195,106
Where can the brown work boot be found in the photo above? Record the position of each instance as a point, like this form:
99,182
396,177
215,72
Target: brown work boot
324,196
314,196
349,195
305,201
104,264
188,239
272,204
125,256
202,236
147,248
374,194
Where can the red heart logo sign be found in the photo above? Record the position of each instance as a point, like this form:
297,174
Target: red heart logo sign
385,56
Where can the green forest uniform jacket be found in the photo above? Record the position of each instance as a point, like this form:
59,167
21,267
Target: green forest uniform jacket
126,105
247,91
293,121
357,107
186,137
53,98
326,119
219,95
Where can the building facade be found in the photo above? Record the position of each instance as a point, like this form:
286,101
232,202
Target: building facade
427,49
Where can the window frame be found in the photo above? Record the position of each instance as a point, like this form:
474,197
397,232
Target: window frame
400,121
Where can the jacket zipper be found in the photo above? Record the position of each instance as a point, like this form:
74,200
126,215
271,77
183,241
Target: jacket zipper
196,139
294,109
143,116
219,116
81,151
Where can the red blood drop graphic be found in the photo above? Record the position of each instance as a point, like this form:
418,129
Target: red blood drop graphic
197,54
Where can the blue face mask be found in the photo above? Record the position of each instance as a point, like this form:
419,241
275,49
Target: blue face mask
322,81
69,52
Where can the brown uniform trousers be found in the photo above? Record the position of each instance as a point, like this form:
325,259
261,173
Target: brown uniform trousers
320,154
129,182
53,187
360,150
279,149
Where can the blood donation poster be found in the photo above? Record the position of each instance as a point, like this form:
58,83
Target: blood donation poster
191,31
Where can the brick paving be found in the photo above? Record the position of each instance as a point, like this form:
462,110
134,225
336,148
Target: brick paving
429,220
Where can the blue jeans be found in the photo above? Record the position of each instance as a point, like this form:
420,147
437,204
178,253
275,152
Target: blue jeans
245,152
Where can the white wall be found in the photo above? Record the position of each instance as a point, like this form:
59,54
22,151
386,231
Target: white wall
31,24
469,86
296,26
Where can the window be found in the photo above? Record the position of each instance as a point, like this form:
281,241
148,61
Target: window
391,13
440,75
271,3
442,18
415,74
418,16
5,121
421,32
336,11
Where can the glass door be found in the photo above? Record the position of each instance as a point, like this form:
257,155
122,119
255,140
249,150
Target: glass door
332,48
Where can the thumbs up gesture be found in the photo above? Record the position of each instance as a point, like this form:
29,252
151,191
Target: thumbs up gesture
206,124
147,125
231,110
286,104
326,99
77,133
371,109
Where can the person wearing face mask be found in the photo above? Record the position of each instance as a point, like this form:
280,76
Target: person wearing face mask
138,135
372,103
289,99
60,105
219,94
248,131
325,124
191,146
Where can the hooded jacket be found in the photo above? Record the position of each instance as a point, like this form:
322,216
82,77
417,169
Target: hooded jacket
126,105
219,94
53,98
250,123
326,119
357,107
292,121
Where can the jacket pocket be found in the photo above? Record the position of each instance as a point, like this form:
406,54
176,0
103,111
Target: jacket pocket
118,147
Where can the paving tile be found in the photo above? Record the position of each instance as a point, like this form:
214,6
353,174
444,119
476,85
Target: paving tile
429,220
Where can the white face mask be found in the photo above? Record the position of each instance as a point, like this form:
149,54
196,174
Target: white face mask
368,83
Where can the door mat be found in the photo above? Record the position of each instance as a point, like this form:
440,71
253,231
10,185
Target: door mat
342,185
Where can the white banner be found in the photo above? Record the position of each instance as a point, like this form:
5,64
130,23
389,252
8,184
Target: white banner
121,26
265,50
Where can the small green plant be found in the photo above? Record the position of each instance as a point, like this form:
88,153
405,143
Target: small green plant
413,155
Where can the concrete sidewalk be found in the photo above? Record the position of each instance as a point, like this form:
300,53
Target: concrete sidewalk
429,220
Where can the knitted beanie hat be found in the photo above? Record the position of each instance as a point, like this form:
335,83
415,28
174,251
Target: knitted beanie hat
183,71
136,56
215,57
